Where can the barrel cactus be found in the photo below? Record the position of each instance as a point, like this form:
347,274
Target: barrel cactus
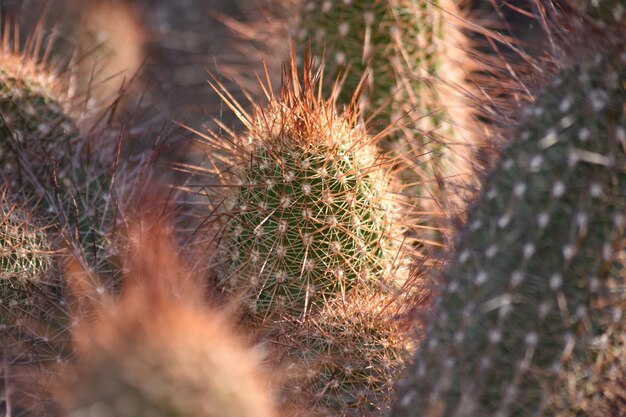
532,303
312,208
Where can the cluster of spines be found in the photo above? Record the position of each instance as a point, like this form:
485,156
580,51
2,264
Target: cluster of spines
530,308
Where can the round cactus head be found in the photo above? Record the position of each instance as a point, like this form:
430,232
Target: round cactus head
533,301
312,210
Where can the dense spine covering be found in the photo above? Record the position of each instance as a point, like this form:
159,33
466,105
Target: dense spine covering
530,316
343,361
312,210
412,53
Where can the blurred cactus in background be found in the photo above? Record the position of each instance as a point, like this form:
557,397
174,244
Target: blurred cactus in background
530,313
412,55
157,351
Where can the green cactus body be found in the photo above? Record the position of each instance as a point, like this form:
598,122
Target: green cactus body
411,51
343,361
535,293
313,214
606,11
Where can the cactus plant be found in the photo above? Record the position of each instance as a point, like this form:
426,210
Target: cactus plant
532,302
412,52
157,352
312,213
342,361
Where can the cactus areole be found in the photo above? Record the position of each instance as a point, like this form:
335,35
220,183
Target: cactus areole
535,293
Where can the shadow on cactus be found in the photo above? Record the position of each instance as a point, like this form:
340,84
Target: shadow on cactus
531,312
312,211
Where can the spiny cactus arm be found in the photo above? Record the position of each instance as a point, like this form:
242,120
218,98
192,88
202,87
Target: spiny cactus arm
534,285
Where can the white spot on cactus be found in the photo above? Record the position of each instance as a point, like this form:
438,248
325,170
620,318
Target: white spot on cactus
595,190
476,224
281,276
369,18
519,189
492,193
594,284
599,99
543,309
343,29
340,58
326,6
531,339
584,134
504,221
617,314
307,214
607,251
331,220
542,219
558,189
269,183
481,278
306,188
285,201
453,286
289,176
464,256
529,250
517,277
281,251
459,336
555,282
535,162
335,247
309,265
508,164
565,104
254,257
569,251
491,251
282,227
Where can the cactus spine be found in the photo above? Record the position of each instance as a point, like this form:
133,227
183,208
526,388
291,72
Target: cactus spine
533,300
